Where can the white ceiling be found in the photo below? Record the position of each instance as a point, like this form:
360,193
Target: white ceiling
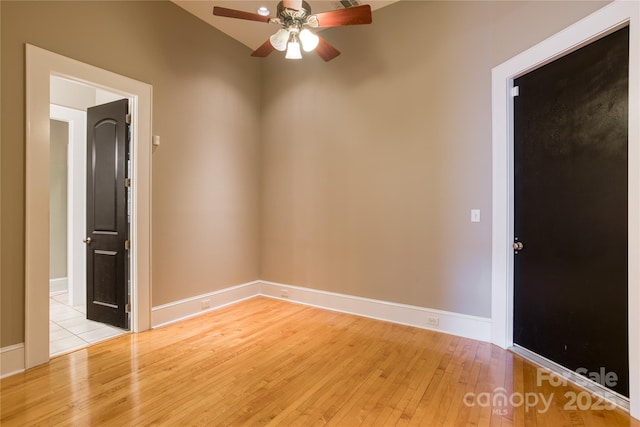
251,33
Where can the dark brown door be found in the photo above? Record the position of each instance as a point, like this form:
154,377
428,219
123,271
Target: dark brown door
107,219
570,213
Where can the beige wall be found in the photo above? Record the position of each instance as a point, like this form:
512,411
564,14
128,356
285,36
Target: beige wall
372,162
206,92
58,145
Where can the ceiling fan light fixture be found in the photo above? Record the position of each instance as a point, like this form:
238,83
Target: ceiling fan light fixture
279,39
293,49
293,16
309,40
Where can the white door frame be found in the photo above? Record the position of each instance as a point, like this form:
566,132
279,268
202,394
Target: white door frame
40,66
601,22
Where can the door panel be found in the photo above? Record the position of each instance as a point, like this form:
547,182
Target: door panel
107,224
570,210
105,273
105,182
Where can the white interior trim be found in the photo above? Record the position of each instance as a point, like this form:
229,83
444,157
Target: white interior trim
463,325
478,328
40,66
600,22
11,360
189,307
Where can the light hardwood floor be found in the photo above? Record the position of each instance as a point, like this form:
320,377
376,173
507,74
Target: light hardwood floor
265,361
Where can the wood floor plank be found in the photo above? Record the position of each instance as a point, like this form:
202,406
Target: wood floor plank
270,362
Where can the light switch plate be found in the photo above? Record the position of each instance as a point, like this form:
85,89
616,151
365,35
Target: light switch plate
475,215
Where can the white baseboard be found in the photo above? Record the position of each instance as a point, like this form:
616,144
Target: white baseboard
463,325
11,360
179,310
58,285
478,328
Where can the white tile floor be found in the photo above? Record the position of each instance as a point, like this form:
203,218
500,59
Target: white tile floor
69,328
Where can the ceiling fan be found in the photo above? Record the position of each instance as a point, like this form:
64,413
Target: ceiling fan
295,16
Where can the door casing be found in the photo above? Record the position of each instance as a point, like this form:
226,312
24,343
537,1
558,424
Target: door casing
40,66
606,20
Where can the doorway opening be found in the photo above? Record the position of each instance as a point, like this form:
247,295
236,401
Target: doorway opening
69,327
41,65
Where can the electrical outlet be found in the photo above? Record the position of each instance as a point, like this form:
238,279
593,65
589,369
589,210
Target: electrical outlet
205,303
284,293
433,320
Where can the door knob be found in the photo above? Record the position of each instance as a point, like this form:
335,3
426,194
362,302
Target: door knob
518,246
87,240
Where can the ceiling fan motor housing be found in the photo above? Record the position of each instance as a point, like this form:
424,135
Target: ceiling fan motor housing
293,19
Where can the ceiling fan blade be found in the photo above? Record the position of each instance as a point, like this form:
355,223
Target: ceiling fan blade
325,50
292,4
238,14
263,50
351,16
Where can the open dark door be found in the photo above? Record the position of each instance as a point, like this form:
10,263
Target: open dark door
570,211
107,219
